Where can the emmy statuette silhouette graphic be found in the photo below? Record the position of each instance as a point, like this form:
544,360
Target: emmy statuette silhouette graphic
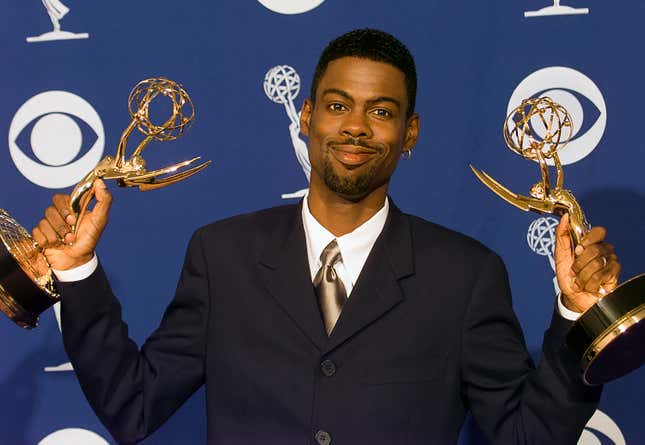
541,240
56,11
556,9
282,85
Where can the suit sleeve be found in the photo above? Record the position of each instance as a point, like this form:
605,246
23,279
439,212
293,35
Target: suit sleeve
511,400
134,391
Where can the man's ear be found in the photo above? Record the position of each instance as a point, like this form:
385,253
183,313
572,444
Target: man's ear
411,133
305,117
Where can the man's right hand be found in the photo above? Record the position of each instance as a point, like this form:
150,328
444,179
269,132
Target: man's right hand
66,250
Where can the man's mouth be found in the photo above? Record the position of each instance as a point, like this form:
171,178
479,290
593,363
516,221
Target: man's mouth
351,155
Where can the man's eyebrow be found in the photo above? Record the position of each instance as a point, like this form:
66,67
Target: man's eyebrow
385,99
345,94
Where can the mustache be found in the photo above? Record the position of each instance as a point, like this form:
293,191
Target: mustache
358,142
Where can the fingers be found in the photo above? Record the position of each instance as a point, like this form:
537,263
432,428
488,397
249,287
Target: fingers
62,205
600,271
596,265
595,235
54,229
605,278
39,237
594,253
45,234
56,222
62,248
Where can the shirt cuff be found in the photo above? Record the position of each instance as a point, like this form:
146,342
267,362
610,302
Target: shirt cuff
77,273
566,313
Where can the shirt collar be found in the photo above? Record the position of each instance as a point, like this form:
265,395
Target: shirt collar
354,246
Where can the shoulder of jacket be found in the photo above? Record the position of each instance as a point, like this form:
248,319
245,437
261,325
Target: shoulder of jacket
257,221
424,231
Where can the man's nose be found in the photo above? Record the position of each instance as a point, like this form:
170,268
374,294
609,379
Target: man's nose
356,125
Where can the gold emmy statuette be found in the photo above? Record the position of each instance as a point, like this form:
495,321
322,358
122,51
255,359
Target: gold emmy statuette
608,338
27,285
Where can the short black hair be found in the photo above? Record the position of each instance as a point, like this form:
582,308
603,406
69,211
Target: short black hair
375,45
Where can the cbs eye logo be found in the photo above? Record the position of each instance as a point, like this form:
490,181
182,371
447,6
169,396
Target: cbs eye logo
73,435
289,6
601,429
579,95
56,139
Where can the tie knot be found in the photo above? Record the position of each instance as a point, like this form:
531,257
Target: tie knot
330,254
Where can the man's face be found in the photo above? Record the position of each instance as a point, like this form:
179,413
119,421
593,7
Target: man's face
357,126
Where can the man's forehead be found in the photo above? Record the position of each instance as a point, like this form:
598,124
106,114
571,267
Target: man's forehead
361,76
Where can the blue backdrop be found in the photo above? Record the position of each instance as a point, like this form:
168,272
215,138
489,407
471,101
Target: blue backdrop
68,69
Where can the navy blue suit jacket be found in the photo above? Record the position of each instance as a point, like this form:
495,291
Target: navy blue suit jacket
428,333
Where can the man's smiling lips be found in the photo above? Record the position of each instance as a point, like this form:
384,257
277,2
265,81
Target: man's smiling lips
351,155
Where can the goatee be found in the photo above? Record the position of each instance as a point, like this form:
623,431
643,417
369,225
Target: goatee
356,187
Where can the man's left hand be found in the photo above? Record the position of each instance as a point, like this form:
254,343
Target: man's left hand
587,272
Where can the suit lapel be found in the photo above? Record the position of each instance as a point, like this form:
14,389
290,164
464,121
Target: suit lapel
285,268
377,290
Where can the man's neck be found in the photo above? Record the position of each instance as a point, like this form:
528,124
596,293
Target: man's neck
340,215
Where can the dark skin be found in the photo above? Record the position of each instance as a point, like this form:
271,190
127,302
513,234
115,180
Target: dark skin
357,128
582,271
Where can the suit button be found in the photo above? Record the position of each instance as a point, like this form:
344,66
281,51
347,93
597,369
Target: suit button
323,437
328,368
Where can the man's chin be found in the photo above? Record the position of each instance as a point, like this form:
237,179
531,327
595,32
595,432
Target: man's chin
351,190
351,184
352,196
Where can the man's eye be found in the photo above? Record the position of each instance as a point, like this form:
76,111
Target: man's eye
337,107
382,112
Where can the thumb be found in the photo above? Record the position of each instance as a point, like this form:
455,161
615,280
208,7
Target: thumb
564,257
103,200
562,238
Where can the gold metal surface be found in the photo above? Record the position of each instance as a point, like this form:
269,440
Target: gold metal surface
617,328
131,172
27,254
521,137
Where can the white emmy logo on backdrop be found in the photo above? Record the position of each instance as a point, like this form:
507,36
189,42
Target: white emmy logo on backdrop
282,85
554,82
67,366
556,9
56,139
291,6
73,436
602,423
56,11
541,240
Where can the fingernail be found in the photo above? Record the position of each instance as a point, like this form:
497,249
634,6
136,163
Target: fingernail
579,249
69,219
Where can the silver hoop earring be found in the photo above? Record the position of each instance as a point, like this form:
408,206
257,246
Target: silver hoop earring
407,154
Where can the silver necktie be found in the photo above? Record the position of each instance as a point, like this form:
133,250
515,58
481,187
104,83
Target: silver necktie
329,287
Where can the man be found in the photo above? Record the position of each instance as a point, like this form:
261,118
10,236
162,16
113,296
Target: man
340,320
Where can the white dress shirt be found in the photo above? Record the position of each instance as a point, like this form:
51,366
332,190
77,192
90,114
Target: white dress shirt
78,273
566,313
354,246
